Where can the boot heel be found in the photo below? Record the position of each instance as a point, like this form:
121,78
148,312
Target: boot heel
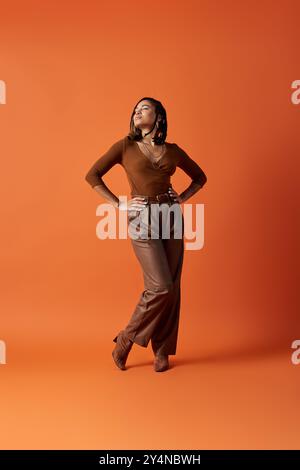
161,362
121,350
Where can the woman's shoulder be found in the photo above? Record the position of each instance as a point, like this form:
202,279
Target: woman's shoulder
175,147
121,144
128,141
181,154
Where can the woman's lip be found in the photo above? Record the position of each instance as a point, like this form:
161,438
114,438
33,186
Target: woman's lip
138,117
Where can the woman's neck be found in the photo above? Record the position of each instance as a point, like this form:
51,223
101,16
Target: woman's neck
148,138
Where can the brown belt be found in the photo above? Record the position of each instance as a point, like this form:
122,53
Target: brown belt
159,198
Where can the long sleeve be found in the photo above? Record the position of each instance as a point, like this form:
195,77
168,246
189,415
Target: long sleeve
190,167
104,164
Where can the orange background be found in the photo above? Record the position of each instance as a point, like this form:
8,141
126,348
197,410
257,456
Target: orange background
74,71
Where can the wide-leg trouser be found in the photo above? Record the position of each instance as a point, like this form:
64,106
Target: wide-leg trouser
156,315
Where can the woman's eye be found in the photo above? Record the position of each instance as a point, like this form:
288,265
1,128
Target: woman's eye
142,108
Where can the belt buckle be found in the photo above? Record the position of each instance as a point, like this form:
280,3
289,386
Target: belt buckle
163,197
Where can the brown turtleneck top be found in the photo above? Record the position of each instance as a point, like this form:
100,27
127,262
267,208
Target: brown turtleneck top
143,178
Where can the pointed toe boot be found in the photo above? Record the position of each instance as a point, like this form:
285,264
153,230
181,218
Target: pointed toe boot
121,350
161,362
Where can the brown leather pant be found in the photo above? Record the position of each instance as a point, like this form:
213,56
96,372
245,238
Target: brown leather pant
156,315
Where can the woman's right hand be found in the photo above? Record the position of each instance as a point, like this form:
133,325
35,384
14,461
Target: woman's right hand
137,203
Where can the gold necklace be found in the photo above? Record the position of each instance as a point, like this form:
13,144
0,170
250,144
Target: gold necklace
155,164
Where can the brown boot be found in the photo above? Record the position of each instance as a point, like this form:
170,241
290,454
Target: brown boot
122,349
161,362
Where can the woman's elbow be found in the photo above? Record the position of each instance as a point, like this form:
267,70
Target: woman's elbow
201,180
91,178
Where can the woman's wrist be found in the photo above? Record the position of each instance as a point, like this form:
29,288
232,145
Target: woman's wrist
115,203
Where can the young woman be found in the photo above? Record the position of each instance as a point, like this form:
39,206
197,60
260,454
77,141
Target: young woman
149,162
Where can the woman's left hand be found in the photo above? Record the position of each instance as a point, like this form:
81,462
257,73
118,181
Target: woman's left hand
174,195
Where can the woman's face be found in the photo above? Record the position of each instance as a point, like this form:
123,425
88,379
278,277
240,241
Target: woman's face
144,114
